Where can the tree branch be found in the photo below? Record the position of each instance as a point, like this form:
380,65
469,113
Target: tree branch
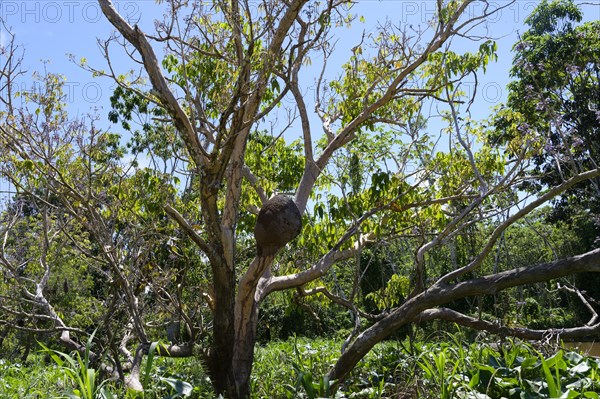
137,38
553,192
189,230
441,293
574,333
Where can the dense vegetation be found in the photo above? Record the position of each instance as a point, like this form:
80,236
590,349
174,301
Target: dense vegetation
443,367
162,256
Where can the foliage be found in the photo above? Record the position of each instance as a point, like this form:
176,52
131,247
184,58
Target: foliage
283,316
536,239
81,374
298,364
161,379
436,368
34,379
178,387
446,366
553,99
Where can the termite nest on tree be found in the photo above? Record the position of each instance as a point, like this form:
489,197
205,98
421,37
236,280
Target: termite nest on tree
279,222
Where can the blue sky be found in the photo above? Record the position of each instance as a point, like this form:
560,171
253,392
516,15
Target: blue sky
49,30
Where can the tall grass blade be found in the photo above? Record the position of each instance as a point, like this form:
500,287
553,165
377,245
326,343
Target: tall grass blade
553,389
149,363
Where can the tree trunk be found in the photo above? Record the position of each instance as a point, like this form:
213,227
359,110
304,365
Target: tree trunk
243,355
278,222
246,321
221,351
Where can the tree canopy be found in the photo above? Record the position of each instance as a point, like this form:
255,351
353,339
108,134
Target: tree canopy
554,96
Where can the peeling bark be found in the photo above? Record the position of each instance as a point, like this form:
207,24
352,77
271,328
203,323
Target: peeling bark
246,322
278,223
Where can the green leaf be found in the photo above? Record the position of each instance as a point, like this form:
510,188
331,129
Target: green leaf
28,164
105,393
475,377
149,362
181,387
553,387
580,368
570,394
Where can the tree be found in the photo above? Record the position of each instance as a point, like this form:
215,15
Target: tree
555,95
209,111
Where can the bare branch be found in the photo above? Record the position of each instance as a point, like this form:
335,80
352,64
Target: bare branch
565,334
442,293
138,39
189,229
534,204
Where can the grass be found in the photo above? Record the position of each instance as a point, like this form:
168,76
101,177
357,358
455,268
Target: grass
35,379
81,374
296,368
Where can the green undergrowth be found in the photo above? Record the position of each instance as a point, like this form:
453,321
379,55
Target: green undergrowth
446,367
34,379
